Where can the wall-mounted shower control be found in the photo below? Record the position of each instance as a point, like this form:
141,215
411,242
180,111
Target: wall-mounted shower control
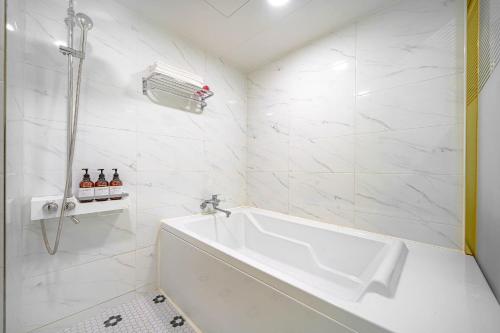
51,206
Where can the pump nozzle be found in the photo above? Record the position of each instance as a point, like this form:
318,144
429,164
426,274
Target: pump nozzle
101,175
86,176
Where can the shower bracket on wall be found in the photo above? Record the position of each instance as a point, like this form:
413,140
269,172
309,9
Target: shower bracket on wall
71,51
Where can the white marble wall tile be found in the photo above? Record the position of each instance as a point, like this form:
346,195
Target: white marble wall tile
269,118
423,104
15,152
435,150
48,155
42,36
446,235
96,237
227,171
49,297
395,49
323,117
431,198
148,223
375,109
107,106
322,154
160,119
268,154
145,269
171,189
156,45
219,124
269,190
229,86
268,132
166,153
327,197
44,93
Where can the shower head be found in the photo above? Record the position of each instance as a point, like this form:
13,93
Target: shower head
84,21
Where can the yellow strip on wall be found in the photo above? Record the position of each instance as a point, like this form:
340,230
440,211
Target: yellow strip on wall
471,125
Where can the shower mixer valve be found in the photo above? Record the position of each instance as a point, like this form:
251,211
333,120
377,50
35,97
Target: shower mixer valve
51,206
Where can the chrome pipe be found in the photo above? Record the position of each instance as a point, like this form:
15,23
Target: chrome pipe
70,24
85,23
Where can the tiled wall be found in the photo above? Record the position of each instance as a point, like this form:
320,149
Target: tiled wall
169,159
363,128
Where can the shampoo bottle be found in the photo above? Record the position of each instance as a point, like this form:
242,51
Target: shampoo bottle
101,187
86,190
115,187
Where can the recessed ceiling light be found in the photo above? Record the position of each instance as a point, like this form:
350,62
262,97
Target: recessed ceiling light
277,3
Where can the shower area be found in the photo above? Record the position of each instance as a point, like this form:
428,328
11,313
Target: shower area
347,113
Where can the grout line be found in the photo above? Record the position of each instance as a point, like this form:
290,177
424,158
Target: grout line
114,256
402,85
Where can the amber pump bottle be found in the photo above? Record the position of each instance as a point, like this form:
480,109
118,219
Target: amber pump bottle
115,187
101,187
86,190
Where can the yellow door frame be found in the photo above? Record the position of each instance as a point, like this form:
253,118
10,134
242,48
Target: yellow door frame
471,116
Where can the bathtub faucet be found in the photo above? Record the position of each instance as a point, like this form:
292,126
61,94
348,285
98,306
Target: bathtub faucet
215,201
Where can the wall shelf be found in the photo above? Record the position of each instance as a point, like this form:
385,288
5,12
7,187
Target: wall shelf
168,84
38,212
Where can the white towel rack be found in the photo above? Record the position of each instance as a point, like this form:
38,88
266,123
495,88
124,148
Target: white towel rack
168,84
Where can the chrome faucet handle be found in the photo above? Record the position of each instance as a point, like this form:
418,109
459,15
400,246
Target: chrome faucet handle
215,199
51,206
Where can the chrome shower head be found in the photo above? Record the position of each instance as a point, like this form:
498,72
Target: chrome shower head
84,21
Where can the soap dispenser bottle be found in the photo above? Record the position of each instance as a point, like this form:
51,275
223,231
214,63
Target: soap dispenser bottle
101,187
86,190
115,186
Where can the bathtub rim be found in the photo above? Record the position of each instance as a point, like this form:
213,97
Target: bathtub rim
330,306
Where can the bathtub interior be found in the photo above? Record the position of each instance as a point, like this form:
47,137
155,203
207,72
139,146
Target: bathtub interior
334,263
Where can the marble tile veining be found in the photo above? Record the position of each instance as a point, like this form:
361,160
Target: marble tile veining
363,127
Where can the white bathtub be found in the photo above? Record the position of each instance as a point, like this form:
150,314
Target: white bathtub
311,263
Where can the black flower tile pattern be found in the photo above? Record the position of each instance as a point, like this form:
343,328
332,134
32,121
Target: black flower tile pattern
112,321
177,321
159,299
145,313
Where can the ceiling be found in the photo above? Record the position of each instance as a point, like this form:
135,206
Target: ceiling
251,33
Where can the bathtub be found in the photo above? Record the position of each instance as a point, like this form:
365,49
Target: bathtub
269,272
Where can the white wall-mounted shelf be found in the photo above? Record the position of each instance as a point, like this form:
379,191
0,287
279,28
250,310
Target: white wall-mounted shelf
38,212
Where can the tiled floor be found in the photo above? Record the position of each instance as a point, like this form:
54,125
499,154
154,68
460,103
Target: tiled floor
148,313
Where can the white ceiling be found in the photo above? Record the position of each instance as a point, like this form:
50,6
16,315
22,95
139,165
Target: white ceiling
251,33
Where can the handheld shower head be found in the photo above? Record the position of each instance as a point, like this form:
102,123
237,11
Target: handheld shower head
84,22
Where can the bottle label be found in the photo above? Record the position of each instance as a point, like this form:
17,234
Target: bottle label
101,191
86,192
115,190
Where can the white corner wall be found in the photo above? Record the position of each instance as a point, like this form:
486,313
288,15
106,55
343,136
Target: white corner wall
488,190
363,127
